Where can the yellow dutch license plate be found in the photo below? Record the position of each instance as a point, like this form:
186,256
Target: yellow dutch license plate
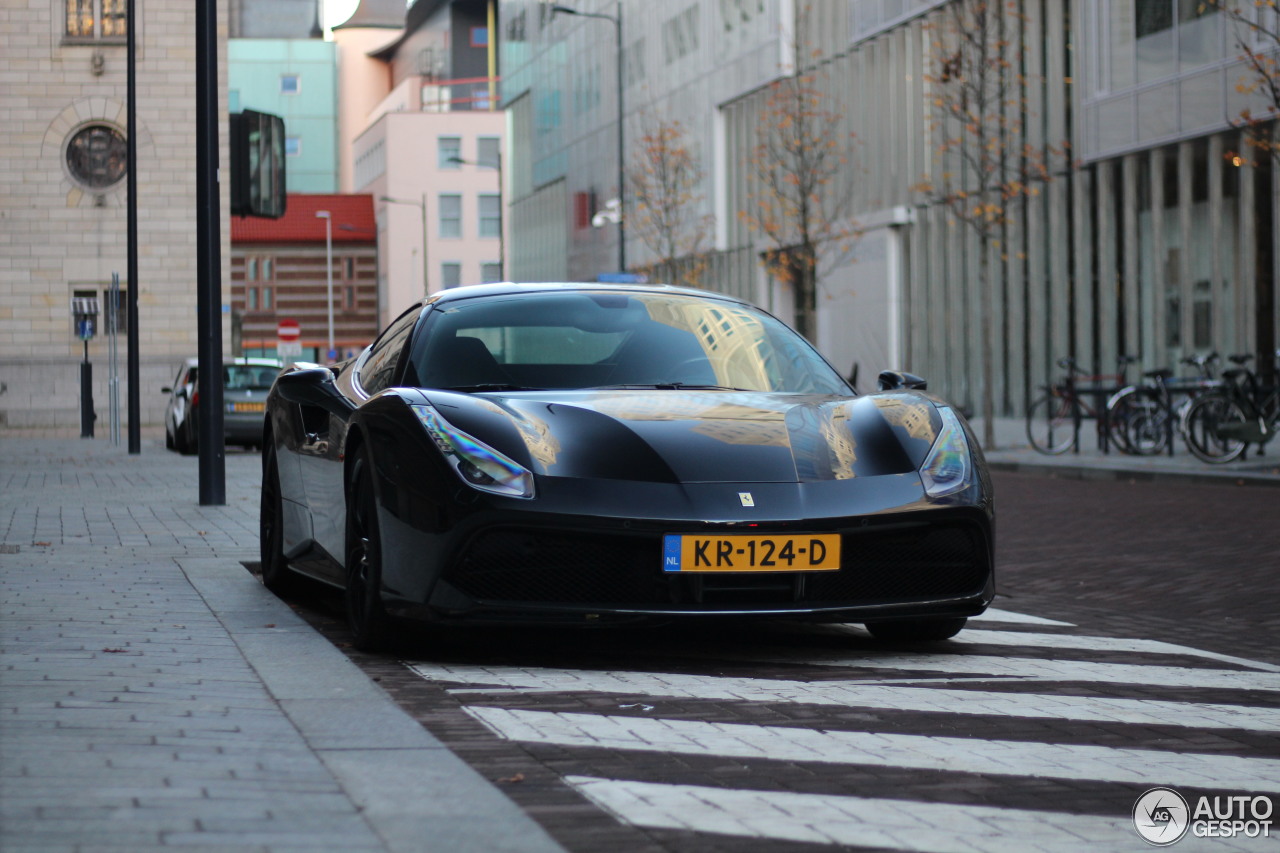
248,407
803,552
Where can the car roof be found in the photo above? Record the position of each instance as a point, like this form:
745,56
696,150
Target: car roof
507,288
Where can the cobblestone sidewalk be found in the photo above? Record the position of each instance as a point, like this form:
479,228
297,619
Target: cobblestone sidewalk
154,696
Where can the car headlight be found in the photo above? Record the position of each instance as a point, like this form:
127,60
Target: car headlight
478,464
948,466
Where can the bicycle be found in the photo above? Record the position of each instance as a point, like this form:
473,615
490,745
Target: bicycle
1220,425
1053,420
1144,416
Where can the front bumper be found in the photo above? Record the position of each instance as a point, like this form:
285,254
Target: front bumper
933,563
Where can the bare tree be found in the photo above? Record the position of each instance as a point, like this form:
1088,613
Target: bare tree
665,180
975,95
799,184
1257,36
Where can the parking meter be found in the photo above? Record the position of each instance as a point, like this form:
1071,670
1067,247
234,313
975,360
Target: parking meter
84,311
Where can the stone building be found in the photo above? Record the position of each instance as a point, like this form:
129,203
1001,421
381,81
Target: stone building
63,198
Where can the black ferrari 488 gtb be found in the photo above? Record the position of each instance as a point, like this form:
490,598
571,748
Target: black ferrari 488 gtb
576,453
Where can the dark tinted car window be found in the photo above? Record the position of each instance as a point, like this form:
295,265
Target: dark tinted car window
377,369
602,339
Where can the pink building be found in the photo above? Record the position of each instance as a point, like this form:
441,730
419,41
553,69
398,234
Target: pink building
420,132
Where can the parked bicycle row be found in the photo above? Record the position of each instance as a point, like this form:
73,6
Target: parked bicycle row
1218,414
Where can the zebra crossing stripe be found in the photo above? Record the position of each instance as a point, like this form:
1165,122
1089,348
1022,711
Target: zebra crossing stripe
857,821
855,694
1098,644
995,614
877,749
1028,669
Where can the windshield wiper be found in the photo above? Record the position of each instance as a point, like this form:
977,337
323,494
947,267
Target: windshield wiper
491,386
667,386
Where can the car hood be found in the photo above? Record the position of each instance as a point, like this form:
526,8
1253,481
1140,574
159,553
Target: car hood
688,436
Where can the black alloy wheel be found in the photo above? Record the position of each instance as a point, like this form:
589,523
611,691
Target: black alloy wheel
916,630
366,615
276,575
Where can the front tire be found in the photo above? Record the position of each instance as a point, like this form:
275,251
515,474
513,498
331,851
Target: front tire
1209,426
916,630
1050,425
366,616
1140,421
276,575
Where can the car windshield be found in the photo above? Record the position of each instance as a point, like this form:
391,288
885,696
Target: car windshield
243,377
603,339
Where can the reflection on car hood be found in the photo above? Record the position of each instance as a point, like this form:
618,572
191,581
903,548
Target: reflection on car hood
690,436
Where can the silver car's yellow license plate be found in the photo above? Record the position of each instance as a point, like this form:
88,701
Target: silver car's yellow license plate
803,552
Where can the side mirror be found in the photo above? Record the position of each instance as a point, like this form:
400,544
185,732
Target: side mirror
313,386
896,380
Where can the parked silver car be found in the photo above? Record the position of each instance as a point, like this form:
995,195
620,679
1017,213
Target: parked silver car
245,383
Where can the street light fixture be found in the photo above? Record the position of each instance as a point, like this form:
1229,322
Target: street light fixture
422,208
328,274
502,237
616,20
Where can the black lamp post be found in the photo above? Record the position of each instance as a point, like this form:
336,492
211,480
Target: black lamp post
616,20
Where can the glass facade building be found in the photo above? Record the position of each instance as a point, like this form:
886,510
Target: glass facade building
1151,232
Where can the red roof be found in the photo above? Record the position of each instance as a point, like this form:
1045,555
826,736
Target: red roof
353,221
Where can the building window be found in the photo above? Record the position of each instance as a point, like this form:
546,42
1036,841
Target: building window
489,151
490,272
251,299
450,215
680,35
99,20
451,273
290,84
257,268
267,301
349,268
490,215
349,298
292,146
449,152
96,156
479,36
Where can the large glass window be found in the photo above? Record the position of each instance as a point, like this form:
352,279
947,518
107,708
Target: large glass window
1150,40
1155,39
96,20
1199,33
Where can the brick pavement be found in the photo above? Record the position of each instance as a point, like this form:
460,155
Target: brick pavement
153,695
